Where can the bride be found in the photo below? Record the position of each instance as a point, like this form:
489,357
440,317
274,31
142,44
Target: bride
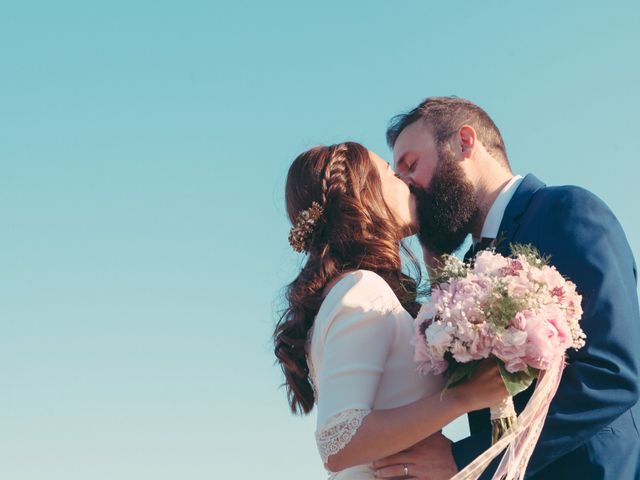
344,341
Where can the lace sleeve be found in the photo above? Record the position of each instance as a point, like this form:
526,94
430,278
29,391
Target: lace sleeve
338,431
349,351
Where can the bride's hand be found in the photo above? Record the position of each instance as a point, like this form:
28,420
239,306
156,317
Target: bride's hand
484,389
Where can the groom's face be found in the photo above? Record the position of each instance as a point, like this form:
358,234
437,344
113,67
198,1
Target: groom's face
415,155
445,199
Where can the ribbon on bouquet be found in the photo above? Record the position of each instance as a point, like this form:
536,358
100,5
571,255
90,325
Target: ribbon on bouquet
521,440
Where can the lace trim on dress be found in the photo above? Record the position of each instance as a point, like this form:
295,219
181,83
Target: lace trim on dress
338,431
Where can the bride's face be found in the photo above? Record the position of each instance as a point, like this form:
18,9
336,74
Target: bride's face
397,196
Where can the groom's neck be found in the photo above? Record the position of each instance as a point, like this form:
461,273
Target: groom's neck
489,184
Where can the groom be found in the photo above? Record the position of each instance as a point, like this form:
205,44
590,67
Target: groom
453,157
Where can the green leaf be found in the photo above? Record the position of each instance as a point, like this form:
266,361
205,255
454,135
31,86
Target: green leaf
516,382
457,373
531,253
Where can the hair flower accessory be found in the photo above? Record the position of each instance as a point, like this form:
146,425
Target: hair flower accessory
301,231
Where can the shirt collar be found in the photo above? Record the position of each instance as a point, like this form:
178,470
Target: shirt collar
496,212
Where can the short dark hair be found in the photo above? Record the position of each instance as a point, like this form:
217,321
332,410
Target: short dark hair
444,116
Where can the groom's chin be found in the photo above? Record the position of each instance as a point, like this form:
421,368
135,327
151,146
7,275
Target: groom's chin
442,244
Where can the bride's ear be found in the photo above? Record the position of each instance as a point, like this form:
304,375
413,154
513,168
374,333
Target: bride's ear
466,141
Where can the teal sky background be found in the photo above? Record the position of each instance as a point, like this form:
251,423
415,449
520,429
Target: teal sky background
143,151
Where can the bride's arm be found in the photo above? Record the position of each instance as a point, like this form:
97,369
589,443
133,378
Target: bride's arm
385,432
352,349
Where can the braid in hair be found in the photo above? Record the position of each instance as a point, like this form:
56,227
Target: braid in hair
334,180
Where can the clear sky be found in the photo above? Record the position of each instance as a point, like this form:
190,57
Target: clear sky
143,150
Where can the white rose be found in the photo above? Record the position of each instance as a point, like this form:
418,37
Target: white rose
439,337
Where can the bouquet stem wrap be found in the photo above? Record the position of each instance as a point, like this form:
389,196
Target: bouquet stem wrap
503,418
521,439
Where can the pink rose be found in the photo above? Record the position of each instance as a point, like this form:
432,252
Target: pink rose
481,343
548,337
558,326
520,320
469,294
510,347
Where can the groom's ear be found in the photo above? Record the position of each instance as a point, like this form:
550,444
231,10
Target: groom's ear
466,141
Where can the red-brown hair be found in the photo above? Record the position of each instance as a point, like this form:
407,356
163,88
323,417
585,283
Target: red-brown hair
356,231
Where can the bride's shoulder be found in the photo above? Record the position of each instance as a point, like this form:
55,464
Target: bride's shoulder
361,289
358,299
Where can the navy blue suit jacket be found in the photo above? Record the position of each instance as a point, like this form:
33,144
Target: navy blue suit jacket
592,428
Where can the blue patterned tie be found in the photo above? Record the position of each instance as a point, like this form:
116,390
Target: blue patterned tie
485,243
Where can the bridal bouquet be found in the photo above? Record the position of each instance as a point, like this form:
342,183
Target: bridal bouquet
518,310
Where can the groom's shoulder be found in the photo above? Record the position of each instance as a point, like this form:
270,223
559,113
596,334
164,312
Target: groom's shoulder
571,200
574,211
567,194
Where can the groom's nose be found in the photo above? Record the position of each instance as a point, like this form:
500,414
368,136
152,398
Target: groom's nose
405,178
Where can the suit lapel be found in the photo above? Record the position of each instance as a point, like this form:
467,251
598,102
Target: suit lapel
518,205
511,219
509,225
514,211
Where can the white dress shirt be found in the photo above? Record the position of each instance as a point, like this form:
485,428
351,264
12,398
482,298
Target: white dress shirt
491,226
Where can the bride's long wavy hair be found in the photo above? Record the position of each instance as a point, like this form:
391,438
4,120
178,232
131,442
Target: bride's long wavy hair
356,231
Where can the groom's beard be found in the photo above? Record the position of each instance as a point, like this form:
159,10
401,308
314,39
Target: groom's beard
447,208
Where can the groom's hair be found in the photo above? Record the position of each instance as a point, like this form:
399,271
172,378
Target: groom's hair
444,116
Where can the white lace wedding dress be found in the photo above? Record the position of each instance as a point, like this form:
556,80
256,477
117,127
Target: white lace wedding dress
360,359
